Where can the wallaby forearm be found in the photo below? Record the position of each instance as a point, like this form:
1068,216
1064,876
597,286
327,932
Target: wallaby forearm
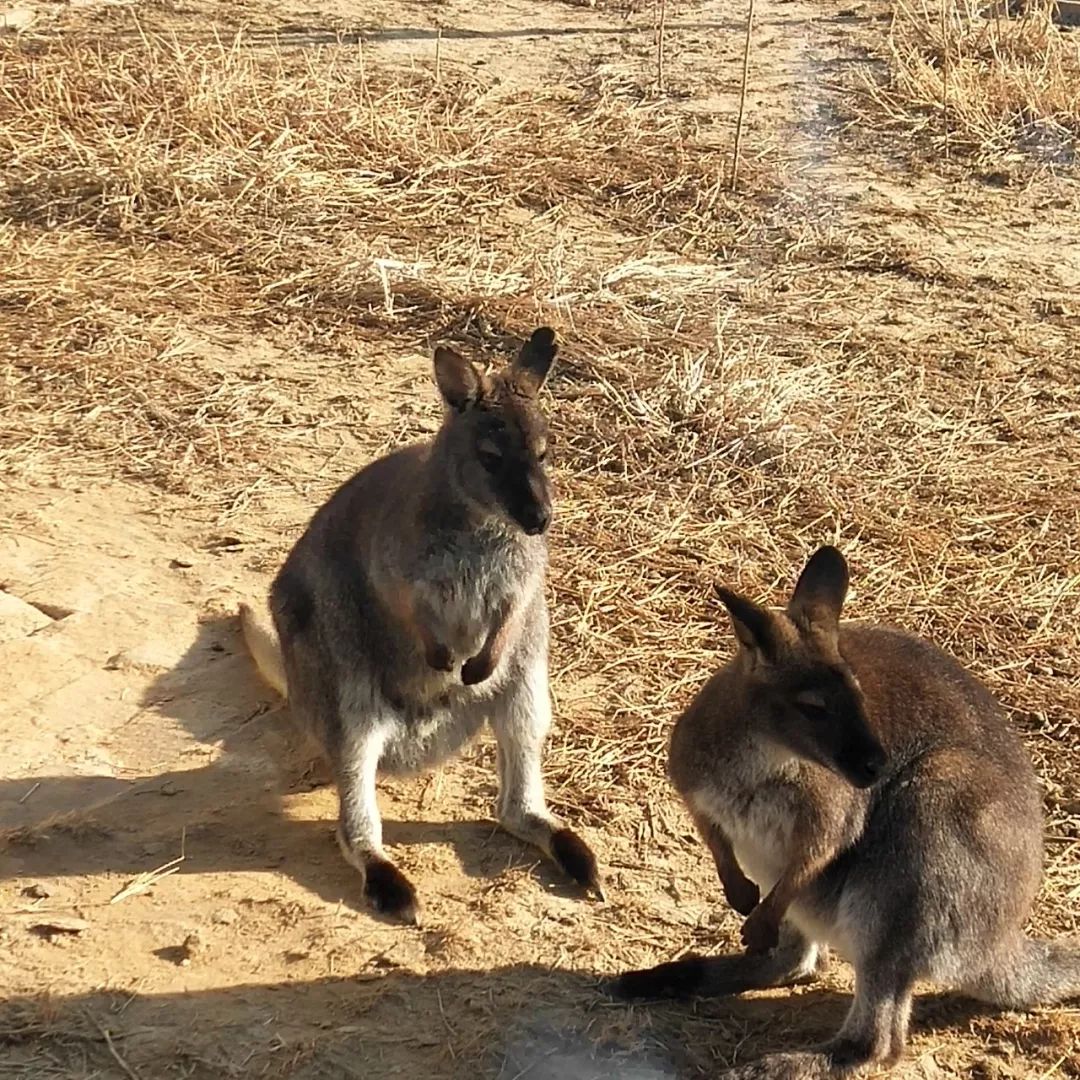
761,930
741,893
502,632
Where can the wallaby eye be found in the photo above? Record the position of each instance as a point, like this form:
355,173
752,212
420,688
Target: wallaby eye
811,703
489,454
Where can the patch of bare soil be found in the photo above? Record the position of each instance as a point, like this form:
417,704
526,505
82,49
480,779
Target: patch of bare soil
230,234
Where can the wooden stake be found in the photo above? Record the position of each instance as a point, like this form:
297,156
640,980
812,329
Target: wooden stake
945,74
661,27
742,96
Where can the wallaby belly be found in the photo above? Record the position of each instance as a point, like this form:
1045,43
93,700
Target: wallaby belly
425,743
427,721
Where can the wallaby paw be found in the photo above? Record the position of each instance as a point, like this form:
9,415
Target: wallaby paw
743,896
439,657
761,931
390,892
477,669
576,860
676,979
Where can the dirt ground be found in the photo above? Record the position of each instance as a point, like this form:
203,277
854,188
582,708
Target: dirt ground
898,364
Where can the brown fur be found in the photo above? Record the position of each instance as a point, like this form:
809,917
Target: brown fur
875,795
412,612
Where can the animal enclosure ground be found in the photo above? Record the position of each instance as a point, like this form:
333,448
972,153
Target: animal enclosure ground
228,234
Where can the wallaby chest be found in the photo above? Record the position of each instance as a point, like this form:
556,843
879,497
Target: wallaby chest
465,582
758,819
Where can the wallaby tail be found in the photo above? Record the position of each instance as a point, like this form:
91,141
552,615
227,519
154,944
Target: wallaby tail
265,650
1038,973
793,961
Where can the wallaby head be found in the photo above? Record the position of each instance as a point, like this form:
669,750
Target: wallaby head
495,435
802,695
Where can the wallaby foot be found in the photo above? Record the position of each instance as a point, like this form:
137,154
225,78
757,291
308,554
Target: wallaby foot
386,888
789,1066
793,962
575,858
521,725
562,845
390,892
849,1053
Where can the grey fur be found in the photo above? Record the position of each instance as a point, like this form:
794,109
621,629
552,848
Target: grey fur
926,870
422,574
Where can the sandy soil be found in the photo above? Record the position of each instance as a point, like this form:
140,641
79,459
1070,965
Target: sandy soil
137,739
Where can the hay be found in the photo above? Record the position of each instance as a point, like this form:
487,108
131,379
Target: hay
965,78
154,187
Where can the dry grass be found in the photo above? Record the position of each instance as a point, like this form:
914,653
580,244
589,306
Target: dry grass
726,402
967,79
156,187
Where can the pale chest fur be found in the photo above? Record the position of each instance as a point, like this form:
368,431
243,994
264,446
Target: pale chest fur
759,803
758,821
467,592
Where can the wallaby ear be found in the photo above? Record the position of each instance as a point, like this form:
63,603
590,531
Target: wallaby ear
460,384
754,626
533,363
820,591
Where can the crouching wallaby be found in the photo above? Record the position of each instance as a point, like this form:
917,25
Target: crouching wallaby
858,789
412,612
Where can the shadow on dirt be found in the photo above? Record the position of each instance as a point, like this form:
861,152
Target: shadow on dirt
233,813
504,1024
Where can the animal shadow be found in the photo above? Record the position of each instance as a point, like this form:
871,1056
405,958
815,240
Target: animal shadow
263,800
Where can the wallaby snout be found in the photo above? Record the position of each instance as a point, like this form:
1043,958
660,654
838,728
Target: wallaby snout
863,766
534,512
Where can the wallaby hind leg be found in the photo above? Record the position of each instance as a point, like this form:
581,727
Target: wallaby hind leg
794,961
359,830
521,721
876,1026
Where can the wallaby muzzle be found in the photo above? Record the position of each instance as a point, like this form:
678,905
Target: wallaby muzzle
863,767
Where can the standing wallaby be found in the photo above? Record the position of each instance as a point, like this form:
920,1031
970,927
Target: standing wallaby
874,794
412,612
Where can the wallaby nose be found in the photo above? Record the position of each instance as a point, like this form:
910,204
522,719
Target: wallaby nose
867,770
536,521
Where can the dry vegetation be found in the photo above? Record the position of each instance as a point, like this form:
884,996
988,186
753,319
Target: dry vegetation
738,385
162,182
966,78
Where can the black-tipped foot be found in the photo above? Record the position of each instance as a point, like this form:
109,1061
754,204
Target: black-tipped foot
543,337
390,892
677,979
848,1053
576,860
